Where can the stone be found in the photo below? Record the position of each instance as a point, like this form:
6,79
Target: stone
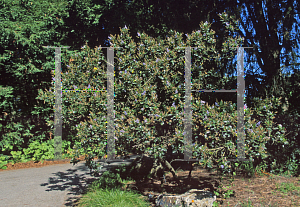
192,198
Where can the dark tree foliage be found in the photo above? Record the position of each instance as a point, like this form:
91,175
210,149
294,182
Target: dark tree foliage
271,26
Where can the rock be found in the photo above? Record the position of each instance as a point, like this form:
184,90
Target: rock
193,197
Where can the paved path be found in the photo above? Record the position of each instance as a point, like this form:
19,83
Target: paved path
53,185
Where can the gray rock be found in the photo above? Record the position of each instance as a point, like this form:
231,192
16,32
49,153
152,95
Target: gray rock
192,198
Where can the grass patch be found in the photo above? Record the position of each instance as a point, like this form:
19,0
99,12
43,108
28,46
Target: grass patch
113,197
109,191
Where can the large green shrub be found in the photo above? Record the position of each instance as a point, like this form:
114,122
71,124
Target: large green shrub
149,79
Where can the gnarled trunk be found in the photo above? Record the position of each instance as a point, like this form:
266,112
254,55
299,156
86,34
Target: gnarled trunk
145,166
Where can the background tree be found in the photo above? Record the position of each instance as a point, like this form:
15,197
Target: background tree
273,27
25,67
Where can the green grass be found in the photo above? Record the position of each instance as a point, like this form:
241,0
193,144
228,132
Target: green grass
113,198
106,191
288,187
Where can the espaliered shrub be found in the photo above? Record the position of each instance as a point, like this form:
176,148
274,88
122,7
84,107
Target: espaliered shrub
149,78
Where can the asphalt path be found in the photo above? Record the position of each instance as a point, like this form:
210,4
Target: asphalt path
54,185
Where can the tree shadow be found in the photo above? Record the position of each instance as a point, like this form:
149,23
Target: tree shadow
75,181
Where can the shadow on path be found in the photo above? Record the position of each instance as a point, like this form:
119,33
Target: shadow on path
76,179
